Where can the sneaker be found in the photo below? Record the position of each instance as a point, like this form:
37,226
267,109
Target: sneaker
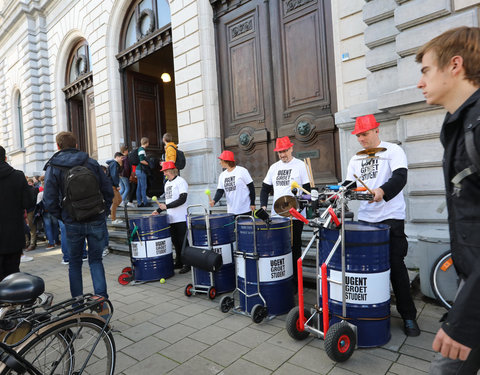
64,261
105,252
58,243
24,259
130,204
147,204
184,269
121,204
140,205
117,221
30,248
50,246
84,259
411,328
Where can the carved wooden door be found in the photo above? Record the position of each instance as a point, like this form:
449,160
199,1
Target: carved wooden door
277,79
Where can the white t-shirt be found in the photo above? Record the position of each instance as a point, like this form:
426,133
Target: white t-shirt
173,189
280,175
234,184
375,172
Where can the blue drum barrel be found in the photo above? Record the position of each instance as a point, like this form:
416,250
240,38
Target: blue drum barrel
152,257
275,265
222,232
367,280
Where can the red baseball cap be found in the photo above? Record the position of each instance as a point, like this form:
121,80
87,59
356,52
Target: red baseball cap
283,144
227,156
168,165
365,123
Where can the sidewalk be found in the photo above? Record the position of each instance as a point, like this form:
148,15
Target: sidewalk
158,330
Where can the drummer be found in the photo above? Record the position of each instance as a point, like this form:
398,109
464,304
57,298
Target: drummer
176,191
386,175
237,184
278,180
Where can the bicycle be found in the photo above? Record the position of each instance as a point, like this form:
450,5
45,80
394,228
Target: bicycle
69,338
444,279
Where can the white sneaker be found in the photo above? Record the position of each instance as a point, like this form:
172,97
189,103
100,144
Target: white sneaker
105,253
121,204
118,221
130,204
24,259
64,262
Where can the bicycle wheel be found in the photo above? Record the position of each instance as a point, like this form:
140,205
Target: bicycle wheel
64,348
444,279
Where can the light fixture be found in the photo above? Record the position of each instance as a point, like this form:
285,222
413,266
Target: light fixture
165,77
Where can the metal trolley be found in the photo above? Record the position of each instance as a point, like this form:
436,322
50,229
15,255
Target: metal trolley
258,312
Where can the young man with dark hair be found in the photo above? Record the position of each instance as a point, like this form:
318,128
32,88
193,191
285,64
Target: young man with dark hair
451,78
16,195
141,173
114,169
91,229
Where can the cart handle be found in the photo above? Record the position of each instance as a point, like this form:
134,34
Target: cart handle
325,311
297,215
301,307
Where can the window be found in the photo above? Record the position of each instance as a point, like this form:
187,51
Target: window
79,62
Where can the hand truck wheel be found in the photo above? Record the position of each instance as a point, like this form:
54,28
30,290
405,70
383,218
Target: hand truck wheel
259,313
188,290
292,324
340,342
125,278
127,270
226,303
212,292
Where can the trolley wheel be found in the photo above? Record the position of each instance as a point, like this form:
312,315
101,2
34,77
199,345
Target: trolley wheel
188,290
259,313
212,292
127,270
124,279
292,324
226,303
340,342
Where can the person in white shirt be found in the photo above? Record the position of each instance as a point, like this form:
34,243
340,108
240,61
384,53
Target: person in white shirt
278,180
176,191
237,184
386,176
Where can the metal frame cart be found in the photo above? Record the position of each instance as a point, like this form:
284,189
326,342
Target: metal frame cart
340,338
128,273
258,312
195,288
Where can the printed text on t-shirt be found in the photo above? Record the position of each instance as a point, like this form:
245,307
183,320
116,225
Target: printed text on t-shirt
283,177
168,192
369,169
229,184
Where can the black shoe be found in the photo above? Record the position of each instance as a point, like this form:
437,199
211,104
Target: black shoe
147,205
140,205
411,328
184,269
177,266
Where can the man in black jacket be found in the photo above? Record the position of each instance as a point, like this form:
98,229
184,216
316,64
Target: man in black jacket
15,196
451,78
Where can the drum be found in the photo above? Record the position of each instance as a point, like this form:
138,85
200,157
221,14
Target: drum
275,265
367,280
152,257
222,232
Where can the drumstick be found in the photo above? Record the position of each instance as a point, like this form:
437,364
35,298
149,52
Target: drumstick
207,192
366,187
295,185
308,172
312,181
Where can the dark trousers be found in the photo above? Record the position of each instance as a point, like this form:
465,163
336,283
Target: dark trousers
178,231
296,246
9,263
398,270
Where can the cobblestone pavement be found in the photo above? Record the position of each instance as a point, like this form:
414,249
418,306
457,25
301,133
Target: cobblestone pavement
158,330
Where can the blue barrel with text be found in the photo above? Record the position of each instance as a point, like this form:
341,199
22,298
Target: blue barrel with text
275,265
152,257
367,280
222,234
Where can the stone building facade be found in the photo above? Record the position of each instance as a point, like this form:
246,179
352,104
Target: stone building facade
374,43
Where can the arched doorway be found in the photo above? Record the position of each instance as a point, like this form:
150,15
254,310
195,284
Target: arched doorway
80,98
146,65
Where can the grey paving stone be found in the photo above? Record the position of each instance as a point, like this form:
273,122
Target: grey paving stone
168,319
413,351
382,353
268,327
121,341
175,333
234,321
144,348
200,321
183,350
211,335
415,363
155,364
400,369
429,323
398,336
424,341
312,359
225,352
198,366
366,364
268,355
137,318
192,309
242,367
141,331
284,340
341,371
123,362
250,337
289,369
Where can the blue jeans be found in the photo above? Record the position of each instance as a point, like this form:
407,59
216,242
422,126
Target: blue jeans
51,228
65,250
124,188
94,233
141,186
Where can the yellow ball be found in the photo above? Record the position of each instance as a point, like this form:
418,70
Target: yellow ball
162,281
154,198
207,191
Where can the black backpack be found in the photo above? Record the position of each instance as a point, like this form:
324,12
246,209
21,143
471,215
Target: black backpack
180,161
133,157
82,198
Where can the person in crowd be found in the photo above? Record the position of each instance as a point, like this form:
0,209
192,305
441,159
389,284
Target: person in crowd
114,170
237,185
50,222
16,196
278,180
451,78
125,177
386,176
170,148
141,172
32,245
93,228
176,191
